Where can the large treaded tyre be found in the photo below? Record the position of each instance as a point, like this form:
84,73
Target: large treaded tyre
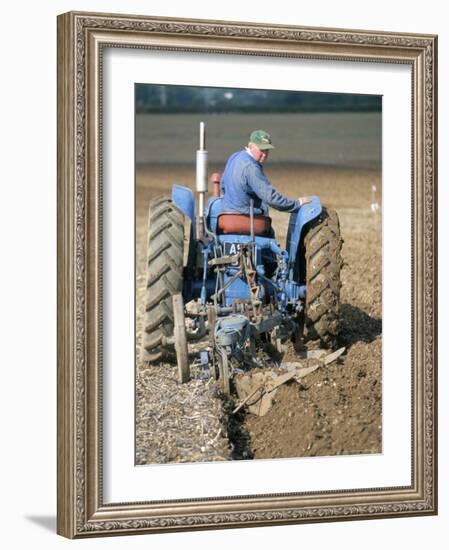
322,249
164,278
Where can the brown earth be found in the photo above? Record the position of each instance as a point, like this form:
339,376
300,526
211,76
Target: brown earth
335,410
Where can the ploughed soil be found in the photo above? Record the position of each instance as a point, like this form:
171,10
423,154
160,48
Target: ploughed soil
333,411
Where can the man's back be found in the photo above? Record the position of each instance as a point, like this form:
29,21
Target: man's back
244,179
234,183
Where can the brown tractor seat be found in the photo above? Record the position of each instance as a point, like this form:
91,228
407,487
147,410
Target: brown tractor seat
232,223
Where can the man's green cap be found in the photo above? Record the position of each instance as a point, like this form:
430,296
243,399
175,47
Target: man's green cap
261,139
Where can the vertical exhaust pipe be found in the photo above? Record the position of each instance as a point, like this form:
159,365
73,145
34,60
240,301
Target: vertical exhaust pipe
201,178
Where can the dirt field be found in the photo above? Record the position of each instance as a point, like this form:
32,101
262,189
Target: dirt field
335,410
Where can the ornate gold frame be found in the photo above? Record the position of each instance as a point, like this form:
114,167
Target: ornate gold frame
81,37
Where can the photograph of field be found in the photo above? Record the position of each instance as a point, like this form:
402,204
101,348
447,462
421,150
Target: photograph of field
328,145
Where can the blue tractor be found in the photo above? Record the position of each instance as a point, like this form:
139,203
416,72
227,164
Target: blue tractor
237,287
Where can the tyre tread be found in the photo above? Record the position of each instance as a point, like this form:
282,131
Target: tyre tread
323,245
164,277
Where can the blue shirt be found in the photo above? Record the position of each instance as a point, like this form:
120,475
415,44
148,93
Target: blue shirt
244,179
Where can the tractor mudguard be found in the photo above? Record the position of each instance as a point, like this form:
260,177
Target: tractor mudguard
183,198
297,222
185,201
213,210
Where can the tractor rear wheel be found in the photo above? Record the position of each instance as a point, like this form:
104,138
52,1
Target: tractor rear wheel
322,249
164,277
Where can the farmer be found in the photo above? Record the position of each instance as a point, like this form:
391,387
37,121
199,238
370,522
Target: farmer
244,179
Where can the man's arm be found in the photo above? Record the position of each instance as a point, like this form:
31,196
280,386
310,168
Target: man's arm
262,187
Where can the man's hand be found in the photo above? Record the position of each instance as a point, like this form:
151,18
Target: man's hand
304,200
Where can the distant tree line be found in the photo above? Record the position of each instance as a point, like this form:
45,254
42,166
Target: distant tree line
194,99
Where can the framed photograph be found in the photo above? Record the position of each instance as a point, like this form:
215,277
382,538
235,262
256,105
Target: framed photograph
246,274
